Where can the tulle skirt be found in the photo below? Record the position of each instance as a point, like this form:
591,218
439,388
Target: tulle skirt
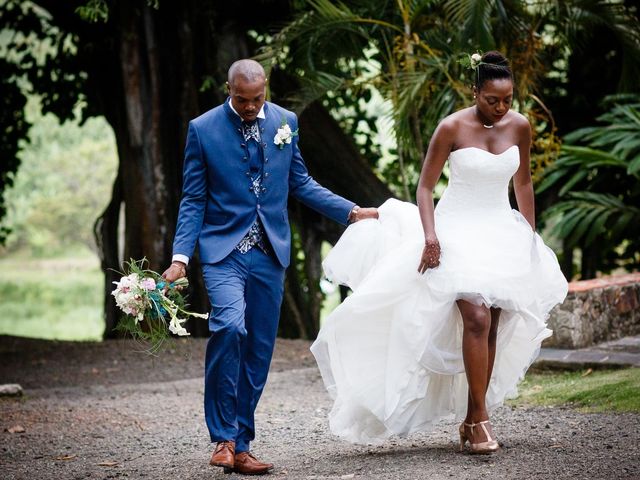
391,354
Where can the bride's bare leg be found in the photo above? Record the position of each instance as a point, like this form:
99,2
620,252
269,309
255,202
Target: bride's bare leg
475,353
493,335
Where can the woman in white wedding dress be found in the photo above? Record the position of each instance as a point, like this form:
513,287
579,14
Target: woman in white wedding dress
449,305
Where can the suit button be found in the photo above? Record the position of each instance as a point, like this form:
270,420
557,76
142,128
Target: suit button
264,145
248,174
244,159
263,189
266,160
266,174
243,145
258,206
240,130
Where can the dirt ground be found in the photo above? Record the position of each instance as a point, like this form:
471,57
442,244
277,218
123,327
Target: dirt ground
106,411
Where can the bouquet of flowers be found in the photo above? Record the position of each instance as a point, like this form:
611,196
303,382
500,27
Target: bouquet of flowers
152,307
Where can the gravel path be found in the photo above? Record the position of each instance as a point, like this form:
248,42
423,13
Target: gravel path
104,411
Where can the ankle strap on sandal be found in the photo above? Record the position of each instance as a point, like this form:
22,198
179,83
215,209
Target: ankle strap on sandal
482,424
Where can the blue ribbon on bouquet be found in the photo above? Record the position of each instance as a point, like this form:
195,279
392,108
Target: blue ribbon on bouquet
155,297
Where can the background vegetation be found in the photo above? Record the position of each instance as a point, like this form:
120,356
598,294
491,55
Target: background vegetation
369,79
50,279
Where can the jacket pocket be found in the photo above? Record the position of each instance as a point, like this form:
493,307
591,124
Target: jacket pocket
215,218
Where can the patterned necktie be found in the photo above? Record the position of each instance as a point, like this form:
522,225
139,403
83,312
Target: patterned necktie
251,131
256,236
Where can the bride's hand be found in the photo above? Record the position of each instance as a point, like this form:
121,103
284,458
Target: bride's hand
430,255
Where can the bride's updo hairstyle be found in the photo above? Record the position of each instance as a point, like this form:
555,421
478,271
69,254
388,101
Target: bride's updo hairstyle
493,66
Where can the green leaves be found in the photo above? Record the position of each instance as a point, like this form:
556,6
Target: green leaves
587,215
598,184
94,11
474,16
621,137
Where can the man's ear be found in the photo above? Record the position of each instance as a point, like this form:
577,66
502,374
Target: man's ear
228,87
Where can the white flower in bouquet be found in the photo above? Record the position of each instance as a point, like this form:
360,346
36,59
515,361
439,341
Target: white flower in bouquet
176,328
129,295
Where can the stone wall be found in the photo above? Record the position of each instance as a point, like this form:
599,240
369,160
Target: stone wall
596,311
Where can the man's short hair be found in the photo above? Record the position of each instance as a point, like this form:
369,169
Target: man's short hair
249,70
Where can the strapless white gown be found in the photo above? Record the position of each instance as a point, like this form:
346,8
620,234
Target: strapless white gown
391,354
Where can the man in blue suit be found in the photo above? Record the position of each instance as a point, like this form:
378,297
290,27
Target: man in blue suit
242,161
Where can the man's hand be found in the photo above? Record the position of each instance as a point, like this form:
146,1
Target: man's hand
358,214
175,271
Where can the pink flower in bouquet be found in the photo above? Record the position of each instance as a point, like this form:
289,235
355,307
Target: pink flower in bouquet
148,284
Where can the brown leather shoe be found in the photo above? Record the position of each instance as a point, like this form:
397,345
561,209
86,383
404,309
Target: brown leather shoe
223,455
247,464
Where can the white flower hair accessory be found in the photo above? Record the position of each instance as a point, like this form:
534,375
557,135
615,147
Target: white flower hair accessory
471,61
284,135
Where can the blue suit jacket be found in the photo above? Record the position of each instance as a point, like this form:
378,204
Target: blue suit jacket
218,206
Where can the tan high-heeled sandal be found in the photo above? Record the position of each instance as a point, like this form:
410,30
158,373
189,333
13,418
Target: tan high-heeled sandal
490,446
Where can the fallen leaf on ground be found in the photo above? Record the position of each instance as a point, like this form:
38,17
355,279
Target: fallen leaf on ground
66,457
108,464
557,445
587,372
16,429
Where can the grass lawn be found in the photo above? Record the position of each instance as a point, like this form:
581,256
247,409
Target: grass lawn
58,298
588,391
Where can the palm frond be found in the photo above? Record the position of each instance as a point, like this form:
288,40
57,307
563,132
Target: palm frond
474,18
584,216
619,138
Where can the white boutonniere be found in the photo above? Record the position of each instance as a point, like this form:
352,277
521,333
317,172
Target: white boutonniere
284,135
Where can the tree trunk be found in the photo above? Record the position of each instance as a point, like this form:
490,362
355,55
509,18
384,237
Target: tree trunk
106,234
151,104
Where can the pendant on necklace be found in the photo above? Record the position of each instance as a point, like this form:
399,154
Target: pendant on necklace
487,126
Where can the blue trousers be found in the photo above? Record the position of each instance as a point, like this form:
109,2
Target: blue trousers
245,291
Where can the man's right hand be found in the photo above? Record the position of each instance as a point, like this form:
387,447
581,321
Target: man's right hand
175,271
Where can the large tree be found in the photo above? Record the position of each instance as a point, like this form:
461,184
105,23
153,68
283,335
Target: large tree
149,67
